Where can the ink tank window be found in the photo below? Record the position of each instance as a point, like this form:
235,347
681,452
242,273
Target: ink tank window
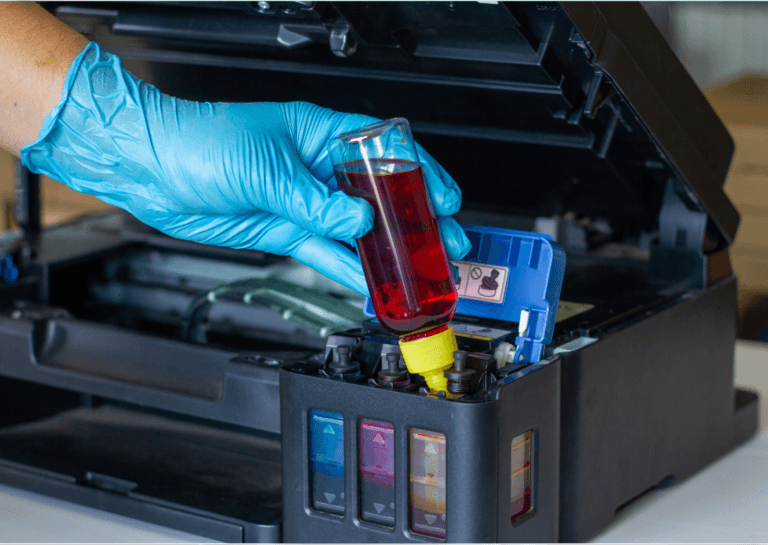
428,483
520,490
326,446
377,472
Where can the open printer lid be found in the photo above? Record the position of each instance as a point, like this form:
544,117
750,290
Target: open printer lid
535,108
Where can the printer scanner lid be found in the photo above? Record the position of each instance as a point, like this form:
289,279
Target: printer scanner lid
535,108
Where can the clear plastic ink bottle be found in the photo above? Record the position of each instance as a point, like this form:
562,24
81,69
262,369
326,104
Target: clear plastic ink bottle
405,263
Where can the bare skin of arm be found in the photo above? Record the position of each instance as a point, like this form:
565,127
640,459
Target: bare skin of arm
36,50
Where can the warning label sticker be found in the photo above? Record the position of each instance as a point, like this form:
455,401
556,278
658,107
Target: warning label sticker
567,309
481,282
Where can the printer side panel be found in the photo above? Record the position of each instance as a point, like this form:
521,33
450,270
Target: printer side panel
649,405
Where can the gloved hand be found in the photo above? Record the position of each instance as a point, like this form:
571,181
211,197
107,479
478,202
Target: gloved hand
254,176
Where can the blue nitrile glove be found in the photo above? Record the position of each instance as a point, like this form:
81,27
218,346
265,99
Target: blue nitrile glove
254,176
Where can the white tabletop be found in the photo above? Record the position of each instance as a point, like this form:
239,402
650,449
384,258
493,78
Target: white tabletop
31,518
727,502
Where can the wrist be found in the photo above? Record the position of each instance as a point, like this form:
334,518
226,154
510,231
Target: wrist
27,152
37,50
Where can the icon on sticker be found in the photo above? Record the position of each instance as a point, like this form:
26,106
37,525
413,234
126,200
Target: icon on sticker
476,273
489,285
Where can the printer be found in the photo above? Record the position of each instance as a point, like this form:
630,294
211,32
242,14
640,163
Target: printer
237,396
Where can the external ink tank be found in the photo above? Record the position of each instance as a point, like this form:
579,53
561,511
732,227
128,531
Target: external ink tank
405,263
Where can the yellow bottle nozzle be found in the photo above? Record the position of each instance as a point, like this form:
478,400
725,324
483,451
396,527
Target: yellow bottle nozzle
429,356
436,380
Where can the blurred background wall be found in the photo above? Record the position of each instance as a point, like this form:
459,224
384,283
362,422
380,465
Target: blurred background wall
718,41
724,46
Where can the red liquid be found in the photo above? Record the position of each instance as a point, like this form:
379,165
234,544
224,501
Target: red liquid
521,505
403,258
423,334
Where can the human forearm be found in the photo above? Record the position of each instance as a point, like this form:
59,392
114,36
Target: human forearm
36,50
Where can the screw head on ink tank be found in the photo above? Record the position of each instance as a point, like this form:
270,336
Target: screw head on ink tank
392,374
344,365
459,377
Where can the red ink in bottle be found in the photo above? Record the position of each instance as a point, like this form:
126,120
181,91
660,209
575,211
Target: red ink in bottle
405,263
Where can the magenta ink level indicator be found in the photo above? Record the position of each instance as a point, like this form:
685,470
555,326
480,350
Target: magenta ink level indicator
377,472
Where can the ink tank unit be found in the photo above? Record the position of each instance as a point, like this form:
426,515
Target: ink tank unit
420,466
237,396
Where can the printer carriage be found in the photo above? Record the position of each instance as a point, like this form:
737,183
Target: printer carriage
573,120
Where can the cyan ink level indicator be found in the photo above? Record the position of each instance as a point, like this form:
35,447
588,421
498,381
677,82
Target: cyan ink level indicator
326,456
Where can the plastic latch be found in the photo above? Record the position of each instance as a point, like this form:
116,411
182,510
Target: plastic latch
107,483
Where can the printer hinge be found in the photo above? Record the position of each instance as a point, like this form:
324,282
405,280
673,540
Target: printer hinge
680,226
600,92
679,255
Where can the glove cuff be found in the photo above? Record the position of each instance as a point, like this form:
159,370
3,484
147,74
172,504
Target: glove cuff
53,115
97,139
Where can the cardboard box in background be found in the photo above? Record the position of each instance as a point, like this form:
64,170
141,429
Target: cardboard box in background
6,191
59,203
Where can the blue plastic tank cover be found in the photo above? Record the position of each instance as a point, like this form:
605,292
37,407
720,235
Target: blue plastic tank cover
514,276
8,269
326,455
